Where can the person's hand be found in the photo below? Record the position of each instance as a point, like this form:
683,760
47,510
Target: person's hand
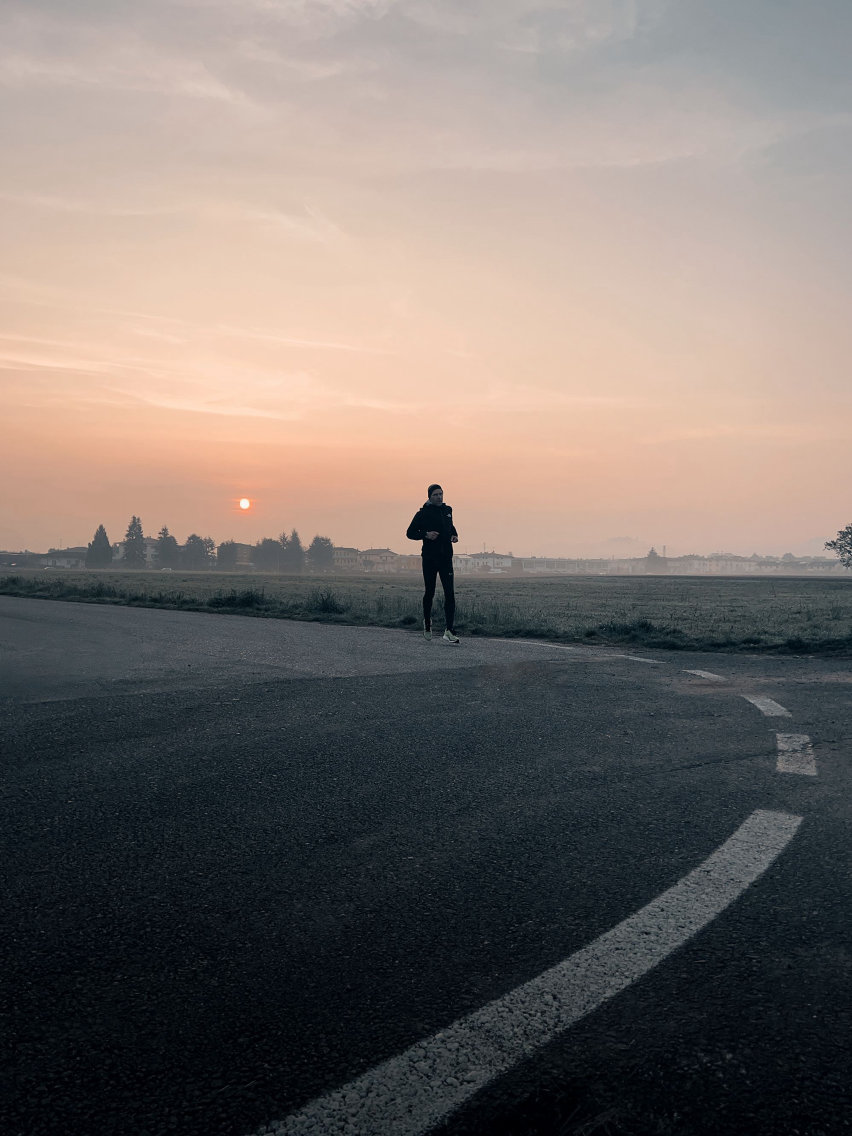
431,536
454,539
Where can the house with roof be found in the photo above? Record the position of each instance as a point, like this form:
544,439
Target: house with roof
378,560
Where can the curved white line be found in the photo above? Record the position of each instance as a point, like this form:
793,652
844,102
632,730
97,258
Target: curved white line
410,1093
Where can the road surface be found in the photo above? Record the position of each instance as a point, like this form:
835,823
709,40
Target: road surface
264,876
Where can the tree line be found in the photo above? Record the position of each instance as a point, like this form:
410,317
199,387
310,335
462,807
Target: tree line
285,553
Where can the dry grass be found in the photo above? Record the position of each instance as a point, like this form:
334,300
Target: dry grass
735,613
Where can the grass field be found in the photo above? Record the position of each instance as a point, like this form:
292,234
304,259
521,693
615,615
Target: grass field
785,614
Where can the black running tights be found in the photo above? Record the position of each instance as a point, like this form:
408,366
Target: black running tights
431,570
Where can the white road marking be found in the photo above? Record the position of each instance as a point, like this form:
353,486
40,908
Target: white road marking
600,653
534,643
410,1093
796,754
708,674
767,706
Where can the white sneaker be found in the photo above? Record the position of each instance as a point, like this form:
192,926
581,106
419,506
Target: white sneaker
450,636
427,631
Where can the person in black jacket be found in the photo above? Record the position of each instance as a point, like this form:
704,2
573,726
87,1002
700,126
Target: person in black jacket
433,524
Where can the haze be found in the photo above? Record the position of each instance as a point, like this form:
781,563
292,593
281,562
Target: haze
587,264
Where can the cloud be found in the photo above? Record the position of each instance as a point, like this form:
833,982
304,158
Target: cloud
790,432
311,224
522,397
298,341
239,392
296,12
36,293
411,85
64,372
536,27
139,70
91,207
232,409
24,360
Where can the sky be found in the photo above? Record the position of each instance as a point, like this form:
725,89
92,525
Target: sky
585,263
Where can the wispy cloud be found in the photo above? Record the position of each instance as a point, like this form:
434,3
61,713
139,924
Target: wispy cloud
234,409
521,397
67,365
206,385
310,224
284,397
784,432
298,341
144,73
534,26
90,207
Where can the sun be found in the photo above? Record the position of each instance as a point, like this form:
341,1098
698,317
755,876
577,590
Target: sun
245,503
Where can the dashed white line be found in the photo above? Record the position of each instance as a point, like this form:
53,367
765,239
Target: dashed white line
796,754
639,659
708,674
410,1093
767,706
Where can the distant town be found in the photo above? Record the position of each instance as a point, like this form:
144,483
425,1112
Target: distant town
287,556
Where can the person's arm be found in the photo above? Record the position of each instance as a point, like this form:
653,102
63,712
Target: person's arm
454,536
415,530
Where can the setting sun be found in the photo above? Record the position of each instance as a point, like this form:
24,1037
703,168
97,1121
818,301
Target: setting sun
245,503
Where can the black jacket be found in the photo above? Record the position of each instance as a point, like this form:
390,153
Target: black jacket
434,518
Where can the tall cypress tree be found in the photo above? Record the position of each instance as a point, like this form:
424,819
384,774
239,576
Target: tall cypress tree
134,544
294,553
168,549
99,552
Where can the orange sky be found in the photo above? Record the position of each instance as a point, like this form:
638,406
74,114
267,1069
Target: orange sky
585,264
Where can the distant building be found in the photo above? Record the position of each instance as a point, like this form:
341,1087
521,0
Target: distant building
491,562
378,560
562,566
65,558
244,554
346,559
409,562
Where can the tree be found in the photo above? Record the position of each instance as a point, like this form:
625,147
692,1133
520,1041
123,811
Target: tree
226,556
654,562
99,552
293,560
321,554
195,555
168,549
134,544
842,546
268,555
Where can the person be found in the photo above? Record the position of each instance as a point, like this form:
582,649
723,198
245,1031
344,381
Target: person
433,524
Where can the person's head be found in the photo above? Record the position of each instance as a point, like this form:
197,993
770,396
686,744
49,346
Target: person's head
435,494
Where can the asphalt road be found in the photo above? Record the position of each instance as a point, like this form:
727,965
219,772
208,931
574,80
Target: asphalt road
246,862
